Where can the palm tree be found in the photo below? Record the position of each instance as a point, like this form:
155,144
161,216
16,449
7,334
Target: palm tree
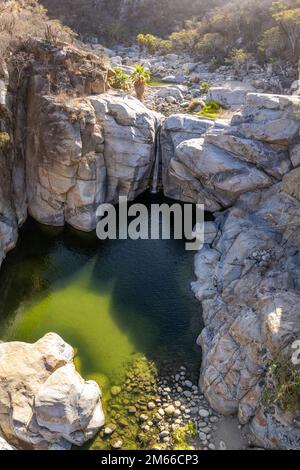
140,77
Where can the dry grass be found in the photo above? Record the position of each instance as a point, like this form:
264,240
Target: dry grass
24,20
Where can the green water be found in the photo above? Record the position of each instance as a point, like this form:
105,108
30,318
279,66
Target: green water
108,299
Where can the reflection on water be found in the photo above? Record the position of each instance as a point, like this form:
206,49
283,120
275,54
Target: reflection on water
108,299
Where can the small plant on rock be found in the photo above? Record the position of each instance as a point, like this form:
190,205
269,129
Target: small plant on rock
211,109
119,80
181,436
282,385
4,140
140,78
204,87
240,59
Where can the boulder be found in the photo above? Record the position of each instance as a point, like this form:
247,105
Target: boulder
224,176
228,97
129,132
171,91
44,401
177,181
263,156
273,119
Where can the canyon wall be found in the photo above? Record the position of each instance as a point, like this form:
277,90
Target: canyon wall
68,153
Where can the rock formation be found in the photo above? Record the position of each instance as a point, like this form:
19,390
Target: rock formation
85,152
248,276
90,146
44,403
70,149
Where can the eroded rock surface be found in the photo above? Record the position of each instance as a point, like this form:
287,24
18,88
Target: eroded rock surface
229,97
85,152
44,403
248,276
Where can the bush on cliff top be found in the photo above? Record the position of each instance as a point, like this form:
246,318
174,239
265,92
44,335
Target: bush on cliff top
23,20
282,385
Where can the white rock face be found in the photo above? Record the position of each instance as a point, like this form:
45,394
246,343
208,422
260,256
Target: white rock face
5,445
86,152
178,182
274,163
171,91
3,93
248,272
227,177
248,282
273,119
210,162
228,97
44,401
129,131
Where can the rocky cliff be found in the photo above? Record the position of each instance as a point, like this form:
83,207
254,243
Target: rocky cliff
248,276
68,152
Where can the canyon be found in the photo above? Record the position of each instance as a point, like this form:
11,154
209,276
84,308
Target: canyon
69,153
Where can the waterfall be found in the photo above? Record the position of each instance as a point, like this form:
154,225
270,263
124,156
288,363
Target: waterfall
157,162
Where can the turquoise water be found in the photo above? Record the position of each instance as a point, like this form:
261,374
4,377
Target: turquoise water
108,299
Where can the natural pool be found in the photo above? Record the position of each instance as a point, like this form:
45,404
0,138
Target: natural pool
110,300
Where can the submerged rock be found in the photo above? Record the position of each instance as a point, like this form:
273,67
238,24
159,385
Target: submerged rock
44,401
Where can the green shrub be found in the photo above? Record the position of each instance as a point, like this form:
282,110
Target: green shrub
211,109
182,435
184,40
4,140
149,42
165,46
119,80
282,385
204,87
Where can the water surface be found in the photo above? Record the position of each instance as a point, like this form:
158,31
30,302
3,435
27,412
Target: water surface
108,299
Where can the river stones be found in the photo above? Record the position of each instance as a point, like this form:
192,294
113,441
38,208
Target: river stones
116,443
132,409
170,410
203,413
151,405
109,429
115,390
143,418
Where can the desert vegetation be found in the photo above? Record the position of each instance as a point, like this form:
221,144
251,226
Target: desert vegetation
266,30
23,20
226,30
